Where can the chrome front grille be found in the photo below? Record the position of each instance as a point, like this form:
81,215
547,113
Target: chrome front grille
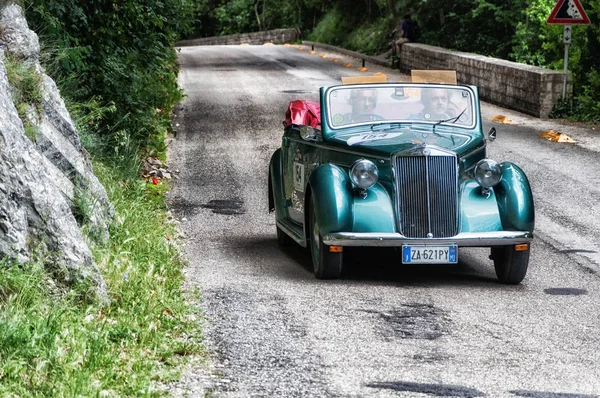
426,195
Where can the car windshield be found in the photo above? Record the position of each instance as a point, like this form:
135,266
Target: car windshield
410,103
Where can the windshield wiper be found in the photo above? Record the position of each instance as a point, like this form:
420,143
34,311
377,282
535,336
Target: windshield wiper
452,119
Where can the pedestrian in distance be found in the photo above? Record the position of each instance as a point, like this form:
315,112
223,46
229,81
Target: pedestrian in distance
408,31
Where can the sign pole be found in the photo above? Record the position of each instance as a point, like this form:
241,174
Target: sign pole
567,41
564,91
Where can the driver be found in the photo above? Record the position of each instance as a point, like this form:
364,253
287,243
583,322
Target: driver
363,102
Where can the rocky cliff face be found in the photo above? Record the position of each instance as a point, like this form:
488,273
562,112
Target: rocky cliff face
40,178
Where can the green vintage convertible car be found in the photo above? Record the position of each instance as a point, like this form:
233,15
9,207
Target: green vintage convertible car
398,165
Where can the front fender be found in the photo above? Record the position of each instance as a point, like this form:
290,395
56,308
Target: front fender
338,208
331,196
375,212
478,213
515,199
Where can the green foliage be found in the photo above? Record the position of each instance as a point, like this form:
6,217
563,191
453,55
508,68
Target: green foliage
121,54
236,16
54,344
372,38
31,132
26,87
332,29
81,205
368,30
222,17
589,99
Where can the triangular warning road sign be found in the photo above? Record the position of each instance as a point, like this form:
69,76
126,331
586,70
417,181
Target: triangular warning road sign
567,12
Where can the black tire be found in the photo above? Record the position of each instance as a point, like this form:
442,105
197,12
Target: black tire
327,265
511,265
283,239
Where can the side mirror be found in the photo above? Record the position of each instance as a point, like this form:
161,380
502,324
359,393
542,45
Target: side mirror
491,134
309,133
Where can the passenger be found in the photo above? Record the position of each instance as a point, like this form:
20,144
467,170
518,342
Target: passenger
436,104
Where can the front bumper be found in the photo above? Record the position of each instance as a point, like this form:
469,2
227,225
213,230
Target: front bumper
473,239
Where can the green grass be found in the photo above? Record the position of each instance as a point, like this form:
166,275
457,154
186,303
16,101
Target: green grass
25,84
54,343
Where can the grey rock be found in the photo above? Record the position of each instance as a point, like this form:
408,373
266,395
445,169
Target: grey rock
41,182
15,34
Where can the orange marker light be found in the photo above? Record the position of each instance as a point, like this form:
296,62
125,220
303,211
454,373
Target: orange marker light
522,247
336,249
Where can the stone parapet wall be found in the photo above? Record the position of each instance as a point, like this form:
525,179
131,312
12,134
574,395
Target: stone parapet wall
276,36
521,87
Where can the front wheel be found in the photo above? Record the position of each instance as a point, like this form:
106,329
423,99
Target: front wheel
327,265
510,264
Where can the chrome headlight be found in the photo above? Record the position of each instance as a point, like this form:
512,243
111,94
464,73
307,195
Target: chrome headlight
487,173
364,173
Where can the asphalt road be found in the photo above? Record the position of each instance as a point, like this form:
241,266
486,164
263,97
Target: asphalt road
384,330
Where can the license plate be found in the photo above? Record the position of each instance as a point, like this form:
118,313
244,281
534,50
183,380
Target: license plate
429,254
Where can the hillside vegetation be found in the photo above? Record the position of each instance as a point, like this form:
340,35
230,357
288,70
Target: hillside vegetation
114,63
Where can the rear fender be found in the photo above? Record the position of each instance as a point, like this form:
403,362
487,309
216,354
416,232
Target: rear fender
515,199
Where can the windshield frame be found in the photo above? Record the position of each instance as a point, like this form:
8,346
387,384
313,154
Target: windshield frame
327,101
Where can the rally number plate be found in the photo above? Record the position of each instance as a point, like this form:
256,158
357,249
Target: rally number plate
429,254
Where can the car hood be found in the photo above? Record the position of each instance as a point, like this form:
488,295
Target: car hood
393,140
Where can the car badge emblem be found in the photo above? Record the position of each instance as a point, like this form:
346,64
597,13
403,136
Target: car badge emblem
426,152
430,235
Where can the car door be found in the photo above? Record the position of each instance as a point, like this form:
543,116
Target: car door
301,156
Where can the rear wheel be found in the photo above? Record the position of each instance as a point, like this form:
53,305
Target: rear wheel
326,264
510,264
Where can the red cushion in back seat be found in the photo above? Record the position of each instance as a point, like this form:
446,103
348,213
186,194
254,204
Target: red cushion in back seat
303,113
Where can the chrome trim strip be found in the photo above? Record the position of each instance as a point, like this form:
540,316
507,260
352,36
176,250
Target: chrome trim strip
427,182
472,239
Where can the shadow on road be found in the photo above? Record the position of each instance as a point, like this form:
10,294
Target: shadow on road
378,266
